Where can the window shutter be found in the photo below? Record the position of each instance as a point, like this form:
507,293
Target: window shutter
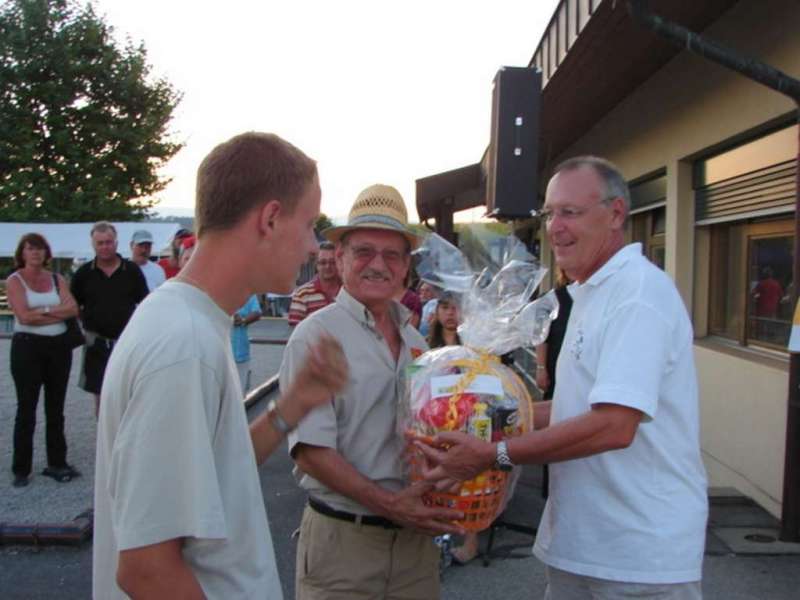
762,192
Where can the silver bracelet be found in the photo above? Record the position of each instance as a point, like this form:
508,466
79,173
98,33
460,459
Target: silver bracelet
278,422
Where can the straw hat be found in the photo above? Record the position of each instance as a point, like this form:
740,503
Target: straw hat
377,207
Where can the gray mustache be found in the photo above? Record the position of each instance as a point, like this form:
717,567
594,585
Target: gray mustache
373,273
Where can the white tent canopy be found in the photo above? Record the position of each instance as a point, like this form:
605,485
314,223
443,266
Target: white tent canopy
71,240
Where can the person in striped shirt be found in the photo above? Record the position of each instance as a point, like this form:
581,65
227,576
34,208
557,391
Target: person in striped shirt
320,291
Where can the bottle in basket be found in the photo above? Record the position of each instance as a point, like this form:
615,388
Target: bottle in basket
480,424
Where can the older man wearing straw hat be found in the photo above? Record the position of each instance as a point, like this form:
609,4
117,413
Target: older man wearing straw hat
364,534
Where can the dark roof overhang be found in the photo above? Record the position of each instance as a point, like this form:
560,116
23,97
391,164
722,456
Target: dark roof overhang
610,57
606,57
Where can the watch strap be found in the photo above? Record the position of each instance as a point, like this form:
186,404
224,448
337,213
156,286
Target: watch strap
503,460
276,419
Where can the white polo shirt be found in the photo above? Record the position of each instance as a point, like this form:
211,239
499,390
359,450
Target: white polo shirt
637,514
153,274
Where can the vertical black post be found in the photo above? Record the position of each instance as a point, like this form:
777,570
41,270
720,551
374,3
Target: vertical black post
444,220
790,511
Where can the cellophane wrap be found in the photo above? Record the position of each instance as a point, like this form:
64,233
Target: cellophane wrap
466,388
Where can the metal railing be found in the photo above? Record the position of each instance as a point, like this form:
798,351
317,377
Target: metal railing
569,19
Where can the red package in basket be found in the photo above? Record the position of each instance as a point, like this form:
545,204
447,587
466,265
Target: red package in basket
457,389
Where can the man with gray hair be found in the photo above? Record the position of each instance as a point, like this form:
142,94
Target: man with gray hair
348,453
627,510
107,290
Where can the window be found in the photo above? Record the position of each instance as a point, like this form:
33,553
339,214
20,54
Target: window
648,229
751,282
744,203
648,220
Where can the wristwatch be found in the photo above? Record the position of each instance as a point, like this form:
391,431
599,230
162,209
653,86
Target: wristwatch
276,419
503,460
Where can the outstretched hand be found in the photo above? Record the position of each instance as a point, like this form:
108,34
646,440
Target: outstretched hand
453,457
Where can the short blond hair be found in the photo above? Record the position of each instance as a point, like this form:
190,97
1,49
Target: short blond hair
248,170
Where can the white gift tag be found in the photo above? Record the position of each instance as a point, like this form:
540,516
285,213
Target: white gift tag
445,385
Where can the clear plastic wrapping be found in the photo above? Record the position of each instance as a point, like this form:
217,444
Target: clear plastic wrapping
466,388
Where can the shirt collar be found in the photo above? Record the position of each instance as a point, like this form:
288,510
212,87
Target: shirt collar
119,256
220,319
615,263
399,313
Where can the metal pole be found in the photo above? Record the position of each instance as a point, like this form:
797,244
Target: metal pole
788,86
685,38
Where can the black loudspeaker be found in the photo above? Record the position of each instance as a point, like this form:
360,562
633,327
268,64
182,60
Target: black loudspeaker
512,181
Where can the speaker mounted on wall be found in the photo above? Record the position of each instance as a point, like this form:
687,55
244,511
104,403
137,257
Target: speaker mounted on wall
512,190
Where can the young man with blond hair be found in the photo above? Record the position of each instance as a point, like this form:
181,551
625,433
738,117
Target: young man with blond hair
178,505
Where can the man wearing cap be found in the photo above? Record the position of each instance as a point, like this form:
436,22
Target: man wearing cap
107,290
348,454
141,246
170,263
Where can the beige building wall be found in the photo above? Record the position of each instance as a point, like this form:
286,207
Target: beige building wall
687,108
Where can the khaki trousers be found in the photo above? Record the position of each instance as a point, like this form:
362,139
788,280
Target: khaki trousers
338,560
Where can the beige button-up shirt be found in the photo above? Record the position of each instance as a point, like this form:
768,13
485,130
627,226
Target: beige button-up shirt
360,422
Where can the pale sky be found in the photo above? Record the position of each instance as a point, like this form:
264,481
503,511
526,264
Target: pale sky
376,92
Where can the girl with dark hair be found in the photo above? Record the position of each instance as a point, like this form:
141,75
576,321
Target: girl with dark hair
41,302
444,326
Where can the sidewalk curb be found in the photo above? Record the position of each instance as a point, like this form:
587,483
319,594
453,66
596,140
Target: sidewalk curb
261,392
72,533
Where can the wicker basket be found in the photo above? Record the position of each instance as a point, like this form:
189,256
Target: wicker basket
479,499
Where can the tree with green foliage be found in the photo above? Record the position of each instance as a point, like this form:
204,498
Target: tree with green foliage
322,223
83,126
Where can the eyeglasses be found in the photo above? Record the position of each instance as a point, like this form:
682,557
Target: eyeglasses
368,253
326,262
567,213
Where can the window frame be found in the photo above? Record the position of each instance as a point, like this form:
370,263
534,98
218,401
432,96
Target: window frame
753,230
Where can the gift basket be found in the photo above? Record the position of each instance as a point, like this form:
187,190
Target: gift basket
466,388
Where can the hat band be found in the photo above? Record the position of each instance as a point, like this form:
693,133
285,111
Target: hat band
384,220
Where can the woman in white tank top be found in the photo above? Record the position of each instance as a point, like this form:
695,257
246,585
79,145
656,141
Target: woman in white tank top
40,356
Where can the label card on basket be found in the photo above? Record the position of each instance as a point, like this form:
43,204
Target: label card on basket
446,385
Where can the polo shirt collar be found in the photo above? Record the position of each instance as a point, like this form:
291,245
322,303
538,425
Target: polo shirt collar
615,263
399,313
119,256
